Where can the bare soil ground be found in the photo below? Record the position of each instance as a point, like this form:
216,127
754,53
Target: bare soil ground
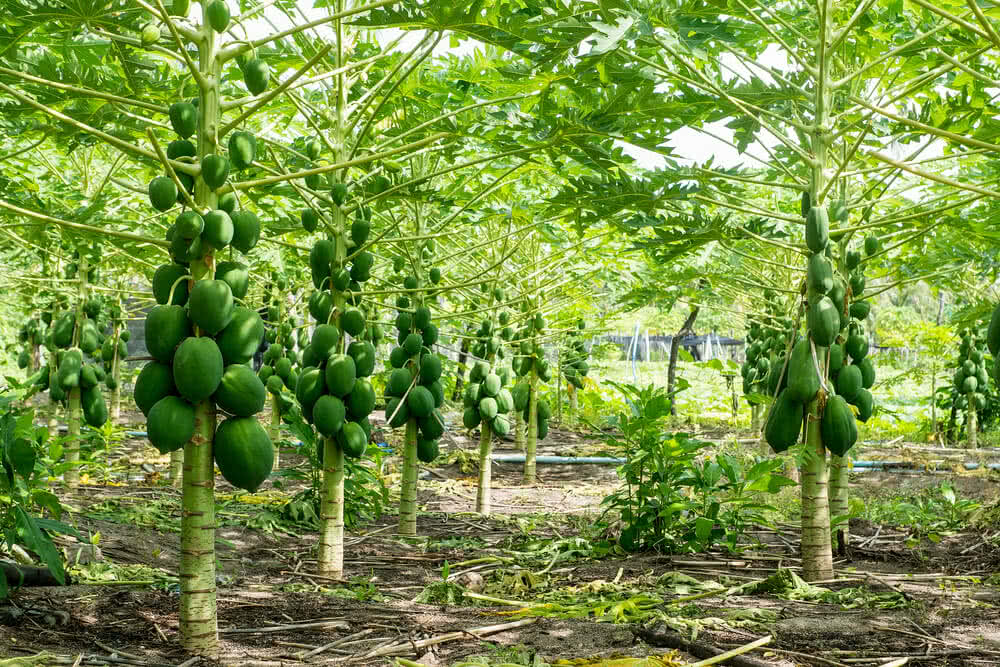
553,596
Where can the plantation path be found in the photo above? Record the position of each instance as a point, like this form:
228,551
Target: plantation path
540,548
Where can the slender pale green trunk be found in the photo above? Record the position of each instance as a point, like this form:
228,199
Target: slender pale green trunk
331,542
934,424
198,625
571,410
198,621
53,419
275,429
839,468
519,431
176,470
531,440
116,373
971,426
116,394
817,555
408,485
72,449
485,488
330,560
410,473
559,375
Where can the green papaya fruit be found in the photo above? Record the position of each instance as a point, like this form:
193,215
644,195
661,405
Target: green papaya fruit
246,230
218,16
242,149
819,274
162,193
244,452
837,427
256,75
183,118
817,229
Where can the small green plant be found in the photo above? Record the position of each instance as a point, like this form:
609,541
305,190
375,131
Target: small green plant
670,501
24,499
727,498
932,513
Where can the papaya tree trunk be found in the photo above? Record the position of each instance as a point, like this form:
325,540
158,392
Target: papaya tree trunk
331,542
275,429
817,556
408,485
675,344
559,374
116,393
485,488
72,448
53,419
198,612
839,468
198,624
519,431
116,373
571,409
971,425
176,471
934,424
531,440
408,489
330,560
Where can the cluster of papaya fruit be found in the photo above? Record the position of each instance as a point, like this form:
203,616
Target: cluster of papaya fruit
278,370
574,357
329,276
73,338
766,344
529,353
72,269
30,335
333,389
487,400
193,234
488,341
833,357
202,344
971,380
114,348
414,390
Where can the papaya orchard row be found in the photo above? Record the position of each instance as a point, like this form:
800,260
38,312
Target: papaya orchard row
350,207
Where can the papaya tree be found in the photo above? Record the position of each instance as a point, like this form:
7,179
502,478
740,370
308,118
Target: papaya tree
812,144
970,385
